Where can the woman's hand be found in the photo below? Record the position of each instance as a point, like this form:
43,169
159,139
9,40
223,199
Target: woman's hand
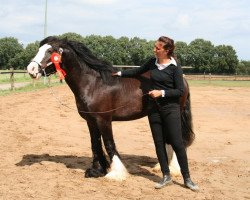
155,93
114,74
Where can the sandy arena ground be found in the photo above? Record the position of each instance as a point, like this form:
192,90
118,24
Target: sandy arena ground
45,150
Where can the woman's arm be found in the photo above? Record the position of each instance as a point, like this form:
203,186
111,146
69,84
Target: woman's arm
135,71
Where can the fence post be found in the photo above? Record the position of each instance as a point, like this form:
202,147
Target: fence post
12,87
49,80
34,82
235,77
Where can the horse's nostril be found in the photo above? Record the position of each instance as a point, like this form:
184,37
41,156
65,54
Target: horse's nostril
32,76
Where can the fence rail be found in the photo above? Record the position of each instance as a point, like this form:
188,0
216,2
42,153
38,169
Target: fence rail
12,79
204,76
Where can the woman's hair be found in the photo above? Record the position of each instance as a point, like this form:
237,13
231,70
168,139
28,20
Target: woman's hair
168,45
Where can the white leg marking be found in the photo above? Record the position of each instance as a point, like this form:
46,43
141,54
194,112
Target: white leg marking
174,166
117,170
157,168
173,163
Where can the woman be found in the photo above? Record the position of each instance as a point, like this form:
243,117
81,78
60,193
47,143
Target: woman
164,115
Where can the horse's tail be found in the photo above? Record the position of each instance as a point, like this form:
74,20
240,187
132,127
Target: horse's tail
186,119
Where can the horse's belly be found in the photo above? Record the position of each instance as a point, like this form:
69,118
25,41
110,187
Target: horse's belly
128,117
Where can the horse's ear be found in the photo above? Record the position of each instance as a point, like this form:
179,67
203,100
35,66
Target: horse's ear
63,51
60,50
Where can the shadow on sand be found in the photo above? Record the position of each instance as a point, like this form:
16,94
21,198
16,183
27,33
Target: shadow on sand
136,165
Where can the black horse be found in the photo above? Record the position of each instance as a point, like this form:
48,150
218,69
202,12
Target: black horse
100,97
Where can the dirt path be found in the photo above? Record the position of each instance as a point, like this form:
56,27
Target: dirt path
45,150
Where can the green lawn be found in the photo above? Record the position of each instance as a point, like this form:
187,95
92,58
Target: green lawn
18,77
39,85
219,83
5,78
198,83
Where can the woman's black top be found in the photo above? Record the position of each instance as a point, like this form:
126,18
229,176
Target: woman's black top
169,79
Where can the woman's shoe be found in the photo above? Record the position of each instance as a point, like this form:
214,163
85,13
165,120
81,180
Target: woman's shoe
166,180
190,184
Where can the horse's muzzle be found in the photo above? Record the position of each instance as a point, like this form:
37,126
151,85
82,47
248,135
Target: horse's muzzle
34,70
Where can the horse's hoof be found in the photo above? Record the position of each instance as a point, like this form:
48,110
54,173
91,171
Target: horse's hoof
94,173
117,176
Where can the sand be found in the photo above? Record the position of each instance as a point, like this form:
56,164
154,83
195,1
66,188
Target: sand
45,150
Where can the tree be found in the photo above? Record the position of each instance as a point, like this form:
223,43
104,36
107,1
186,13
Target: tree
181,51
97,45
200,55
72,36
123,51
9,48
22,59
225,59
243,68
139,50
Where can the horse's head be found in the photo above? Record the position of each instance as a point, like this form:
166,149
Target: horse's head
47,61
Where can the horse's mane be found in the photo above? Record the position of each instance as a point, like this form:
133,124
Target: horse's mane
85,55
89,58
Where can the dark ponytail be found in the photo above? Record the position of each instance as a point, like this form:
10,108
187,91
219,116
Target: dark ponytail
168,45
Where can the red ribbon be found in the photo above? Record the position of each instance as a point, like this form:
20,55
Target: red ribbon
56,60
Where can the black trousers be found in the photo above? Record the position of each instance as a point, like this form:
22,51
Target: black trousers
165,124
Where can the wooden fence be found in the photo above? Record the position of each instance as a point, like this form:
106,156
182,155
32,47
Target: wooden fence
12,79
204,76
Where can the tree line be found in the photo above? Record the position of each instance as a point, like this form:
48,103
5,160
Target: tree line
200,54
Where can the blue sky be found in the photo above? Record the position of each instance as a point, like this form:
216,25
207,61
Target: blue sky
219,21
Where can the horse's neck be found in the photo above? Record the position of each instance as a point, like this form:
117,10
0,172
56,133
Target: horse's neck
78,78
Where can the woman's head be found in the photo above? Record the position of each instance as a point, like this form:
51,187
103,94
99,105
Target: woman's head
164,46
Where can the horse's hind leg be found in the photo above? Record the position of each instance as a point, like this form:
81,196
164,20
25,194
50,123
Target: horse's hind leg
100,164
117,169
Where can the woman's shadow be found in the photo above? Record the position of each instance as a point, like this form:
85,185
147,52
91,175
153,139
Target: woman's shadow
136,165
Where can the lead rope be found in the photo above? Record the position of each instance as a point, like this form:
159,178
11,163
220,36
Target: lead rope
87,112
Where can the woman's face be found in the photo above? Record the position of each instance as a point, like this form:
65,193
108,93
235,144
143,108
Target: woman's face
159,51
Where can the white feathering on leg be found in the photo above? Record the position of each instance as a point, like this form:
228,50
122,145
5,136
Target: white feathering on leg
174,166
173,163
117,170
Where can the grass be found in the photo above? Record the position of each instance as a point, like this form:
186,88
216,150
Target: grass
219,83
28,88
5,78
18,77
198,83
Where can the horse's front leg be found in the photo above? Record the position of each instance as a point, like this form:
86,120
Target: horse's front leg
100,164
117,170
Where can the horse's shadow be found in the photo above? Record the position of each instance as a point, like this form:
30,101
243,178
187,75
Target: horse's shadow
136,165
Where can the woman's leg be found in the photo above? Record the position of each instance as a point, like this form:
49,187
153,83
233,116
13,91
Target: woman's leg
172,121
172,124
155,123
